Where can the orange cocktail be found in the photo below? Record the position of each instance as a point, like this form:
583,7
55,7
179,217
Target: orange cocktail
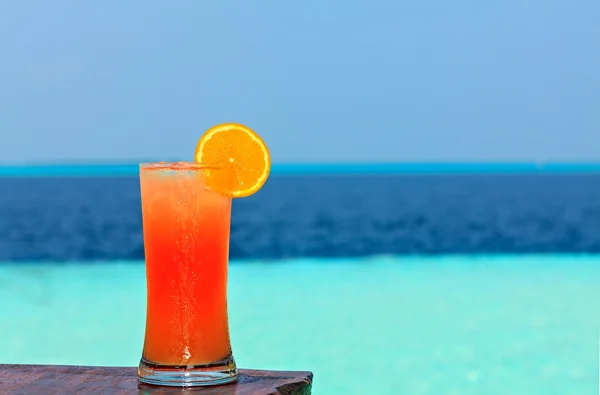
186,240
186,212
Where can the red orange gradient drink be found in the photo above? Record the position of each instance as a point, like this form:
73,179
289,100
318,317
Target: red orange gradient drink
186,211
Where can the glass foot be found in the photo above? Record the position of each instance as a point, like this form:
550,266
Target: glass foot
216,373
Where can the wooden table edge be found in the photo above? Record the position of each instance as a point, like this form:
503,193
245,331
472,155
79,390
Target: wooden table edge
291,381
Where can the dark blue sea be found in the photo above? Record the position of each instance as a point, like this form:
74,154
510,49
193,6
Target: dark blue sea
87,218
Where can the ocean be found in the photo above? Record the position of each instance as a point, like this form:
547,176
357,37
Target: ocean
423,283
99,218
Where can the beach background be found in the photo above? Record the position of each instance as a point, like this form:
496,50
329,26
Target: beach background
431,224
421,283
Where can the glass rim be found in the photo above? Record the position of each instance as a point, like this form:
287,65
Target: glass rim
180,165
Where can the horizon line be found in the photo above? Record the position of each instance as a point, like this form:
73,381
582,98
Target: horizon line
356,168
103,162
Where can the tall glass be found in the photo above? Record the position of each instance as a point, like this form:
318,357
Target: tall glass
186,241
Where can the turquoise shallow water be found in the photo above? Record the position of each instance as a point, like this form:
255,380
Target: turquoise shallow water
443,325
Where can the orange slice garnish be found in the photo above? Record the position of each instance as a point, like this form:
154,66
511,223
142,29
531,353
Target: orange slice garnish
238,150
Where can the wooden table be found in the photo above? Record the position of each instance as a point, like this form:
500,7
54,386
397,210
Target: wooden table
54,379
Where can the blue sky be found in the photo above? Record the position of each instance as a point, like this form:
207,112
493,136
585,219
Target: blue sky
321,81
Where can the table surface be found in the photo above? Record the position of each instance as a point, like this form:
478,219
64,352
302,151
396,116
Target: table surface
56,379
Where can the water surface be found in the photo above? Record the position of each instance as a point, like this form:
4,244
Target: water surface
438,325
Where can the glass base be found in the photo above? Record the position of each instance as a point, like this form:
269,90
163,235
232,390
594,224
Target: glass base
216,373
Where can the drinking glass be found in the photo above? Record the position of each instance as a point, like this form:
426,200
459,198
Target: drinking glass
186,242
